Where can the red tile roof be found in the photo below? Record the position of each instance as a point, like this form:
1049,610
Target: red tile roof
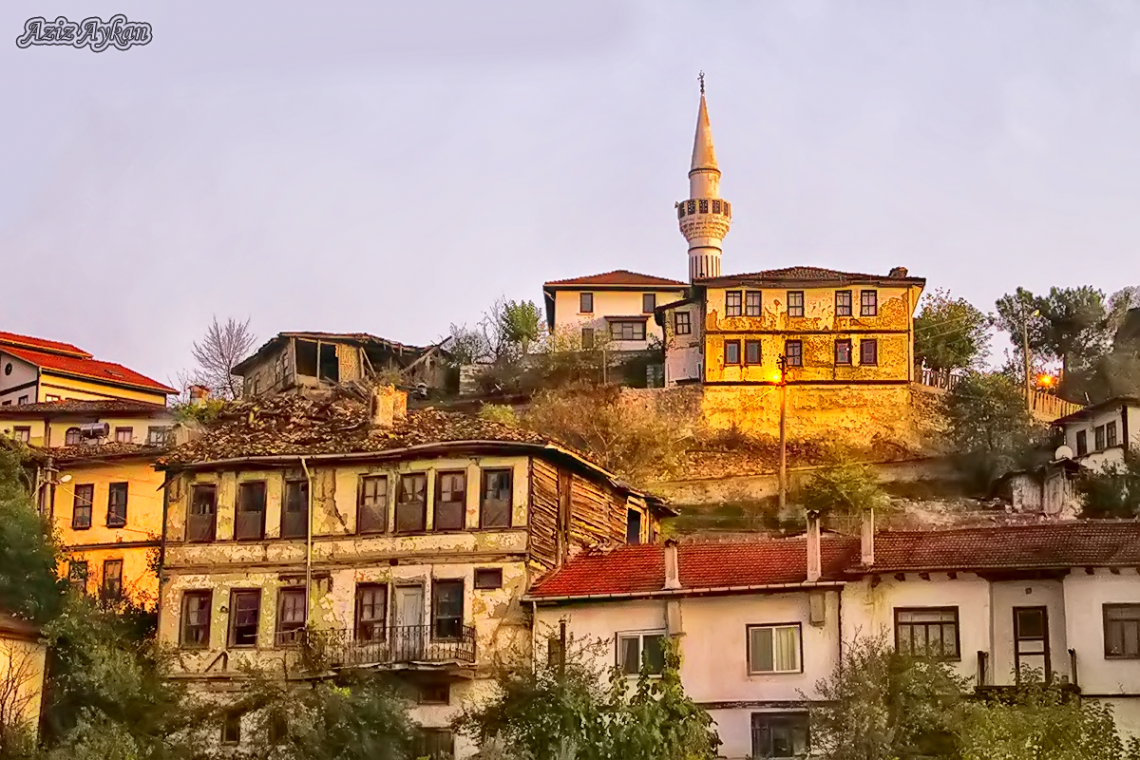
104,372
640,569
39,344
620,278
78,408
815,274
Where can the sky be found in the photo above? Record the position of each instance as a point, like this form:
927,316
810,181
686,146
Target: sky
393,168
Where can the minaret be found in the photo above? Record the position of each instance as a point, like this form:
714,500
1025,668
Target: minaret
704,217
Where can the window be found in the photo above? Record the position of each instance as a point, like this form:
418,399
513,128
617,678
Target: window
681,323
124,434
77,575
1110,434
842,352
497,500
435,744
112,579
290,615
1082,443
795,303
249,517
277,729
868,303
434,694
49,398
117,505
231,728
780,735
305,357
72,437
627,330
1122,631
157,435
843,303
21,400
732,352
81,511
794,353
587,338
869,352
632,526
732,303
450,501
648,302
22,433
203,514
586,303
447,609
555,652
774,649
195,632
487,578
633,648
372,511
927,632
371,611
751,352
411,506
752,301
245,615
1098,437
295,511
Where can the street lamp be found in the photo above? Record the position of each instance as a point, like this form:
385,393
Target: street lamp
781,378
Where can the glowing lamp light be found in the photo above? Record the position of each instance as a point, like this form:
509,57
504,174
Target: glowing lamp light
1045,381
777,376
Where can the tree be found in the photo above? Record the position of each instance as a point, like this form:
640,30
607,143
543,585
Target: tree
220,350
845,487
520,324
30,586
1037,721
1075,326
880,705
570,709
950,333
1114,491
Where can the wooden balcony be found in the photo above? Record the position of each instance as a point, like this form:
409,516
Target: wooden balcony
394,646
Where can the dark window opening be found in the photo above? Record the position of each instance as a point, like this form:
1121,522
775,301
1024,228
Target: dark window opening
732,303
411,506
77,575
81,509
842,352
869,352
843,303
633,526
1122,631
586,303
249,518
488,578
752,353
1098,437
203,514
635,648
231,729
682,324
372,514
371,611
868,303
245,615
732,352
291,615
447,609
195,619
794,353
450,501
434,694
648,302
330,365
1082,443
112,579
780,735
116,505
555,652
1110,439
306,357
435,744
587,338
927,632
295,512
498,499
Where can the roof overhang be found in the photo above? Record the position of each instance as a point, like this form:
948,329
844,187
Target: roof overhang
1090,410
703,591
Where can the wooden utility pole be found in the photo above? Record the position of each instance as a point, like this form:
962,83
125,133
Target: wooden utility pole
782,363
1025,352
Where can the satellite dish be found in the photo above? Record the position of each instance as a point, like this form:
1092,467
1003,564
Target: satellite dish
1062,452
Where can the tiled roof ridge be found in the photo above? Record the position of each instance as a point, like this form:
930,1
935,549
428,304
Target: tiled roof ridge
598,279
44,344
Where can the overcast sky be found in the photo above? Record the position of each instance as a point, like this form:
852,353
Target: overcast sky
394,167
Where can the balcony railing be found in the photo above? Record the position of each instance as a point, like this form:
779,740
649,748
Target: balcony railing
394,645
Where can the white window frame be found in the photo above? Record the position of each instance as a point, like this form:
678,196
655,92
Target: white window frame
797,627
640,636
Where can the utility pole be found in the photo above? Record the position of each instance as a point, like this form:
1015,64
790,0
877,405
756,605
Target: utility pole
1025,352
782,363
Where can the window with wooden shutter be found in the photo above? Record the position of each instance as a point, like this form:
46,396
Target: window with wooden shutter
450,501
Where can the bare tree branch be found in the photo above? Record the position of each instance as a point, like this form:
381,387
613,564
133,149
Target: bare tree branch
220,350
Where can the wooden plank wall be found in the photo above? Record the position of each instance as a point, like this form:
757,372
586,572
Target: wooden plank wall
595,517
543,521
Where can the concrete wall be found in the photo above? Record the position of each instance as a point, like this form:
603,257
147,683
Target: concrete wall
23,666
17,378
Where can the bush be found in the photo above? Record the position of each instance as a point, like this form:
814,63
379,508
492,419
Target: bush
501,413
846,488
1114,491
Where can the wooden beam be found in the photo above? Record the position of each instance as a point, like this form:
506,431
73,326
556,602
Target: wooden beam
875,580
1089,570
900,576
952,575
924,576
1114,570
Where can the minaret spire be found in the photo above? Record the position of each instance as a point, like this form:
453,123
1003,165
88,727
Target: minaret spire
705,218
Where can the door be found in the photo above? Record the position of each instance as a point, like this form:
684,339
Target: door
1031,641
409,632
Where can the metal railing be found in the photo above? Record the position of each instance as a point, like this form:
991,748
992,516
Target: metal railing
394,645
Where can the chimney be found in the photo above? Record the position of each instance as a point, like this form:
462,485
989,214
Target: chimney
198,394
389,405
672,566
867,537
897,273
814,560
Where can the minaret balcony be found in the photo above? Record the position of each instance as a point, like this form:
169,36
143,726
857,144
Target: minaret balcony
695,206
